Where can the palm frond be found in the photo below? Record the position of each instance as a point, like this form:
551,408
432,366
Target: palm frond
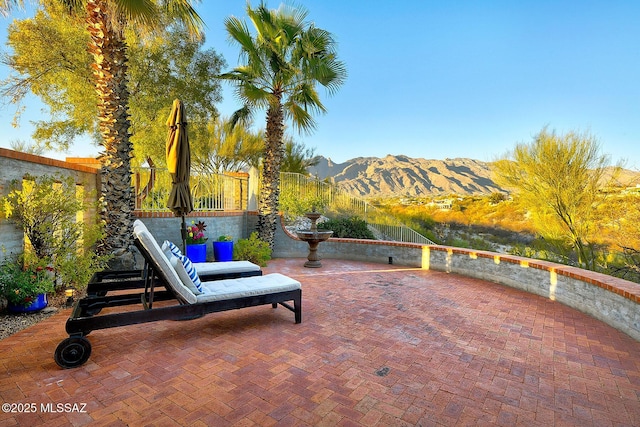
300,117
142,12
183,11
242,115
307,96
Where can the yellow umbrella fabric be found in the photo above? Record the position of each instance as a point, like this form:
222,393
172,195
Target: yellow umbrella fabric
179,163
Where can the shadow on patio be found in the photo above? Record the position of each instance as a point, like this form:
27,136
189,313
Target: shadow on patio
378,345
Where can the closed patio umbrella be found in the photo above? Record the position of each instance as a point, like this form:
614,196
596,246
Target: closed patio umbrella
179,165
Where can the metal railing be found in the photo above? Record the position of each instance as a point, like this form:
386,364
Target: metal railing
298,194
398,233
213,192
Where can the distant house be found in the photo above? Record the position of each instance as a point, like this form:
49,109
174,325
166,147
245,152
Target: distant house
444,205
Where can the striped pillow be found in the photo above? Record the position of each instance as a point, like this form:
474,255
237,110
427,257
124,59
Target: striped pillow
191,271
172,247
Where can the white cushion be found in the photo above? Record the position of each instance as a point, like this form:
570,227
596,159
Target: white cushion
138,223
174,282
208,268
166,250
218,290
184,276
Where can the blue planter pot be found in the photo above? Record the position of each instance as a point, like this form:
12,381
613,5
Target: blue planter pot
223,251
197,252
39,303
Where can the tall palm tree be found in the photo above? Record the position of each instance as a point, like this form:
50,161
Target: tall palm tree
284,62
106,21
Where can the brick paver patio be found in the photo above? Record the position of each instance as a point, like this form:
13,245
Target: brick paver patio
379,345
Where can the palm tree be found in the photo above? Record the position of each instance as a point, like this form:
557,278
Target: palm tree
225,148
297,158
106,21
283,63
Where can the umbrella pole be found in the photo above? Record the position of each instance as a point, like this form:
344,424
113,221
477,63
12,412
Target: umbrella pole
184,235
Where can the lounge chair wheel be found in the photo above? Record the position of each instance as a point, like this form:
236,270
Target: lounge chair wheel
72,352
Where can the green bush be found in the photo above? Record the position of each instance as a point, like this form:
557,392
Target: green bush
20,284
353,228
45,208
252,249
293,205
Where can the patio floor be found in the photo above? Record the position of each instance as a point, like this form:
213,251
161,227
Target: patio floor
379,345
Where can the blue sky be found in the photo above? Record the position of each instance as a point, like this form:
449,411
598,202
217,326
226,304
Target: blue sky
446,79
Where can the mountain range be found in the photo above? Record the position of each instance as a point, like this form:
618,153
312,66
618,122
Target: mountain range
400,175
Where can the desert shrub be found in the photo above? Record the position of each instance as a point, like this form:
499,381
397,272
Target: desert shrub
45,208
295,204
352,227
457,242
252,249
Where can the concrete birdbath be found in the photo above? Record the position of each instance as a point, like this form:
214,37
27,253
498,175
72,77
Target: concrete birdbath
313,237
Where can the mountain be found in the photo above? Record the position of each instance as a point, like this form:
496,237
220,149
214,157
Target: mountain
405,176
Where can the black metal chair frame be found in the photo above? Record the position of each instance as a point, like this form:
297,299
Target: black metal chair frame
76,350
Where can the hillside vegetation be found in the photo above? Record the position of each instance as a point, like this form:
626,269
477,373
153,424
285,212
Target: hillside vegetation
555,198
501,224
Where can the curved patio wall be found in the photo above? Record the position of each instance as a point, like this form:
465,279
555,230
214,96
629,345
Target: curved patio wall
609,299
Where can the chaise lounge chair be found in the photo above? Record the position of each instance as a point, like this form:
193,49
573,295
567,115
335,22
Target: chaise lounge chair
105,281
189,301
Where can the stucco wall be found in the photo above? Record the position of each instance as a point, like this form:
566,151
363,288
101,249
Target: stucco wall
15,166
167,227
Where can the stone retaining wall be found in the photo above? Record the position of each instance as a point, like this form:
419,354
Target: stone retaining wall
609,299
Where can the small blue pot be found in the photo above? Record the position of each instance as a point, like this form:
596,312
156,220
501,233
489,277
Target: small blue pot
39,303
223,251
197,252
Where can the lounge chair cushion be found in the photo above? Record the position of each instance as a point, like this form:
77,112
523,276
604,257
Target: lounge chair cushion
185,276
138,223
249,286
211,268
172,278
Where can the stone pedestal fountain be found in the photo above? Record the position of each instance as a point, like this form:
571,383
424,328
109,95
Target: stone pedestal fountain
313,237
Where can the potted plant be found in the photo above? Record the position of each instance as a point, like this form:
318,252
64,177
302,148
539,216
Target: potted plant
196,242
223,248
25,287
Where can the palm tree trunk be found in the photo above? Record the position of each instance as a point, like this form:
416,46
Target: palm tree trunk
110,71
270,193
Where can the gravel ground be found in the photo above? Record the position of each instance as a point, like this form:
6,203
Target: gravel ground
11,323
